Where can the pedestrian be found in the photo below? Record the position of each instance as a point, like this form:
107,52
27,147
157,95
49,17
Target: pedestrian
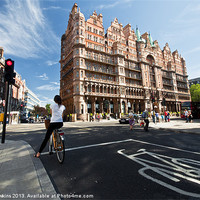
98,117
165,116
157,117
146,120
162,116
186,115
153,116
131,120
190,116
168,116
56,121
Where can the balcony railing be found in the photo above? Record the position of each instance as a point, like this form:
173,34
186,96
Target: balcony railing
181,79
97,58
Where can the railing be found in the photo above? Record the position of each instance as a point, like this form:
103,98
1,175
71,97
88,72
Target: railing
134,97
104,60
181,79
102,94
166,76
101,81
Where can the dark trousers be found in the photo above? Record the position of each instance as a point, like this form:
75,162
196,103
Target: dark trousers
146,125
52,127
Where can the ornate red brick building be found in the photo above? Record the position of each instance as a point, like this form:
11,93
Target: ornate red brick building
117,71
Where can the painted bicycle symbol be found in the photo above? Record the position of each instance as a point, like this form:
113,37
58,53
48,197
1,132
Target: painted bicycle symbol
172,173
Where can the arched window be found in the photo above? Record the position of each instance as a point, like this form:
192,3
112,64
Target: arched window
150,60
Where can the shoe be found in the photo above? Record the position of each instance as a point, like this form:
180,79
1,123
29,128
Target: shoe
37,155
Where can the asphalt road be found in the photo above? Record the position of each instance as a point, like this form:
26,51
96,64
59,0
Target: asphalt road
108,161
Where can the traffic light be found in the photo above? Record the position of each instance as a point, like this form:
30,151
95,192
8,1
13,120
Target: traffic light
153,99
9,71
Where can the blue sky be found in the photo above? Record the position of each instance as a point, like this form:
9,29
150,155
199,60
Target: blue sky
30,32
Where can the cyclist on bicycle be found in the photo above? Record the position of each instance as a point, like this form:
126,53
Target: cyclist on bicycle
56,121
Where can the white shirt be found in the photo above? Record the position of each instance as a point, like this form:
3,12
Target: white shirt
186,113
57,112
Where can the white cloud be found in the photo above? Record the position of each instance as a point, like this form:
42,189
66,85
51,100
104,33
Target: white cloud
190,9
48,87
43,77
193,70
46,101
54,8
194,50
56,83
50,63
24,31
112,5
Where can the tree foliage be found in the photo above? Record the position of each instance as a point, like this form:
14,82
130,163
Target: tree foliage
195,92
41,111
48,108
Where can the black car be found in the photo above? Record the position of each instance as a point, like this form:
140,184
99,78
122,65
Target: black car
24,120
124,119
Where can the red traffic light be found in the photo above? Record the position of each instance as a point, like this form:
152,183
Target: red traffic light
9,62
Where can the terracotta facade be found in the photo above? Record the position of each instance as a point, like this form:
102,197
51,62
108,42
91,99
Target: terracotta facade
117,71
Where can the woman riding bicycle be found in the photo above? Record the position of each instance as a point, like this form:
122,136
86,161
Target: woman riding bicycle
56,121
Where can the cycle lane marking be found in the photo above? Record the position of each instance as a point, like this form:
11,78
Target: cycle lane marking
173,169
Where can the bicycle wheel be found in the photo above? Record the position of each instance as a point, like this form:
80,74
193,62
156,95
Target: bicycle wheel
60,150
50,145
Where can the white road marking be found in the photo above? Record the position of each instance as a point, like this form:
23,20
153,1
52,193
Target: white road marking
93,145
167,147
128,140
174,170
178,165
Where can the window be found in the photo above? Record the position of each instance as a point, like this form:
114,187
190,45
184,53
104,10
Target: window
77,88
89,88
77,74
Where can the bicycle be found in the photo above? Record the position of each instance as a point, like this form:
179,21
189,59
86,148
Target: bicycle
57,143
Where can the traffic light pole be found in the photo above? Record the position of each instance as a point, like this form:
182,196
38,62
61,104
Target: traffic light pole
5,114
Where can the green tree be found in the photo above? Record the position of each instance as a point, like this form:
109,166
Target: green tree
39,111
48,108
195,92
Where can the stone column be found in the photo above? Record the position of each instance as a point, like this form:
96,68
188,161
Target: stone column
101,107
93,107
126,106
159,106
145,105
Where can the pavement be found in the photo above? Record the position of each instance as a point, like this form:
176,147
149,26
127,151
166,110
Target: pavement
178,125
22,176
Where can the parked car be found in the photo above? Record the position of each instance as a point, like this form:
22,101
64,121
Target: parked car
124,119
24,120
31,120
